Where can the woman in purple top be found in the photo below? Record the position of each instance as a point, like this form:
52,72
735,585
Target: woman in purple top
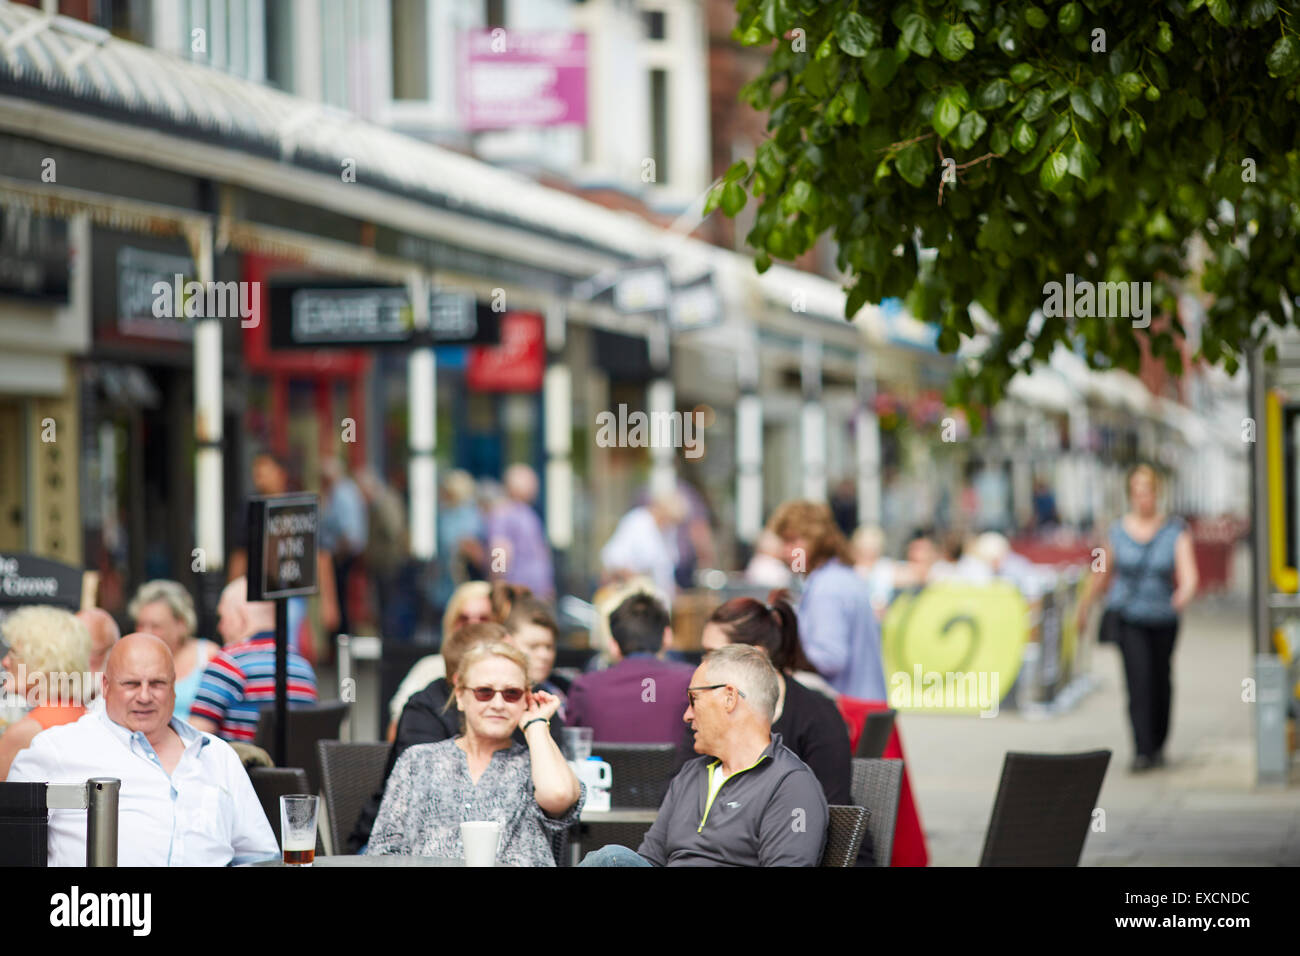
837,624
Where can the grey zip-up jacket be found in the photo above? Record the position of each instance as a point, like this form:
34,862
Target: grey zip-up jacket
771,814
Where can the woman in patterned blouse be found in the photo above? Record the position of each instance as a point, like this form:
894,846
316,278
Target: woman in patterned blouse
483,774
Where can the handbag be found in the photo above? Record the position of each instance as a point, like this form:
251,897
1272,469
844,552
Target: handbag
1112,620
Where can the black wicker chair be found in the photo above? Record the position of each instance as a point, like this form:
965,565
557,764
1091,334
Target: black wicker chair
272,783
24,831
350,773
877,785
1043,808
875,734
844,833
641,772
306,726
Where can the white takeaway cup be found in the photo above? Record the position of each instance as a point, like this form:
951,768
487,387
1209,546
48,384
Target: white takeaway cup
480,838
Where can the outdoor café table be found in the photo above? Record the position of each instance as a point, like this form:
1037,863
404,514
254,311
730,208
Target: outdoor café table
616,815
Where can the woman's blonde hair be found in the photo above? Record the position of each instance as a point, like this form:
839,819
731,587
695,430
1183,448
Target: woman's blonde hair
170,593
484,651
1141,469
49,642
466,592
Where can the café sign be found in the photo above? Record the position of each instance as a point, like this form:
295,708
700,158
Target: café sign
283,539
27,579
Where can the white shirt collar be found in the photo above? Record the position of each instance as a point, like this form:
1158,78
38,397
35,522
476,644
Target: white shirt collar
126,736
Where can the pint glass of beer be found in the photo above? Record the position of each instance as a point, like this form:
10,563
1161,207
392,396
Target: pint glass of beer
298,828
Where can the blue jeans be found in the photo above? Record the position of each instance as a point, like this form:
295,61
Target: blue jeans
614,855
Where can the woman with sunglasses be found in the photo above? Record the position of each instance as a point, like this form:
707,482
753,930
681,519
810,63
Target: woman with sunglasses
484,774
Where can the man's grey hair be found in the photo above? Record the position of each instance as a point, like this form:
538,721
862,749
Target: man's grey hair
748,669
170,593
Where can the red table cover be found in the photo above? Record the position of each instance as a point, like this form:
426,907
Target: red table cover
909,838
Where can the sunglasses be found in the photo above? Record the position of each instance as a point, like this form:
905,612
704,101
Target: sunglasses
511,695
690,691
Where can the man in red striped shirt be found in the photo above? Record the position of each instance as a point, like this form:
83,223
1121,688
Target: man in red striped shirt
239,682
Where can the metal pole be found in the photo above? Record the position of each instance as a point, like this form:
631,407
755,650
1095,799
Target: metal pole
101,821
281,682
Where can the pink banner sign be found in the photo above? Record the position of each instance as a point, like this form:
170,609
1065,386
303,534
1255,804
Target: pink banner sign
516,78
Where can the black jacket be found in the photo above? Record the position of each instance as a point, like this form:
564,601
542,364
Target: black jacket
426,719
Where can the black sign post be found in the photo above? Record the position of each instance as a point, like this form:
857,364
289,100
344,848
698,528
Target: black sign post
282,543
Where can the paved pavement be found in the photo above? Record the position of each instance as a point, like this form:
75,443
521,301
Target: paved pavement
1202,809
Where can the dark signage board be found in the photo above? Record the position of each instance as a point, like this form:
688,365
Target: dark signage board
27,579
283,535
33,256
345,314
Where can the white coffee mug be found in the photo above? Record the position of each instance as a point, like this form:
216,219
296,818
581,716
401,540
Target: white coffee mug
595,772
480,838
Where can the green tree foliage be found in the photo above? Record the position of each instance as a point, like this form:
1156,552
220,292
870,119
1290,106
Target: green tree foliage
1098,138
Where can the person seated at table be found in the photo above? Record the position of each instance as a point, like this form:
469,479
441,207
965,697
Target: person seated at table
48,665
809,722
185,800
639,698
484,774
431,716
239,682
534,631
749,801
166,610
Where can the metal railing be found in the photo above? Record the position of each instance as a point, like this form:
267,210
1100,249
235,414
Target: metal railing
97,796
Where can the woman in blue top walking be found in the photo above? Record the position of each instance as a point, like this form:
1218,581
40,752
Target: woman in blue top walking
1154,577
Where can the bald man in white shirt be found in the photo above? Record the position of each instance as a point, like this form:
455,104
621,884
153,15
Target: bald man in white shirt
186,799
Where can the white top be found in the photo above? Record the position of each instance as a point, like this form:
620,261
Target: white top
423,673
205,814
639,545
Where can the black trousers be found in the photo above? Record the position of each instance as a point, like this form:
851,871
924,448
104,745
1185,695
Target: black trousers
1147,650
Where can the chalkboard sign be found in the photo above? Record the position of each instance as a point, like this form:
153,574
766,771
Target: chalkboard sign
282,540
27,579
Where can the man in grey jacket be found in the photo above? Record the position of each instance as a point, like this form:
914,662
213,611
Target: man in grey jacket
750,801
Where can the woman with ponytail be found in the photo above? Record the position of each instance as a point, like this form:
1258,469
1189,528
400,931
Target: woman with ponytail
808,722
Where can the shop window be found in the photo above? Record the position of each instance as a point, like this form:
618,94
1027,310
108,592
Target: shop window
278,29
410,26
659,123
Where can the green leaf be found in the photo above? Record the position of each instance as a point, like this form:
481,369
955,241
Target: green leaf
857,103
804,196
1102,93
1284,58
916,34
770,159
1220,10
1130,85
947,114
1164,37
737,170
762,262
733,198
992,94
1082,163
1035,106
1000,140
1259,12
880,67
912,164
1053,171
953,40
970,129
1021,73
1035,17
1082,106
715,197
1069,18
1024,136
856,34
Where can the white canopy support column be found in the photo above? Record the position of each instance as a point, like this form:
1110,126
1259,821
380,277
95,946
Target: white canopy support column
209,493
814,422
557,403
749,442
867,430
662,400
422,430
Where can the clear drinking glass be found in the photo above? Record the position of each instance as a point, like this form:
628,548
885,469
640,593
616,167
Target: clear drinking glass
298,828
576,742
